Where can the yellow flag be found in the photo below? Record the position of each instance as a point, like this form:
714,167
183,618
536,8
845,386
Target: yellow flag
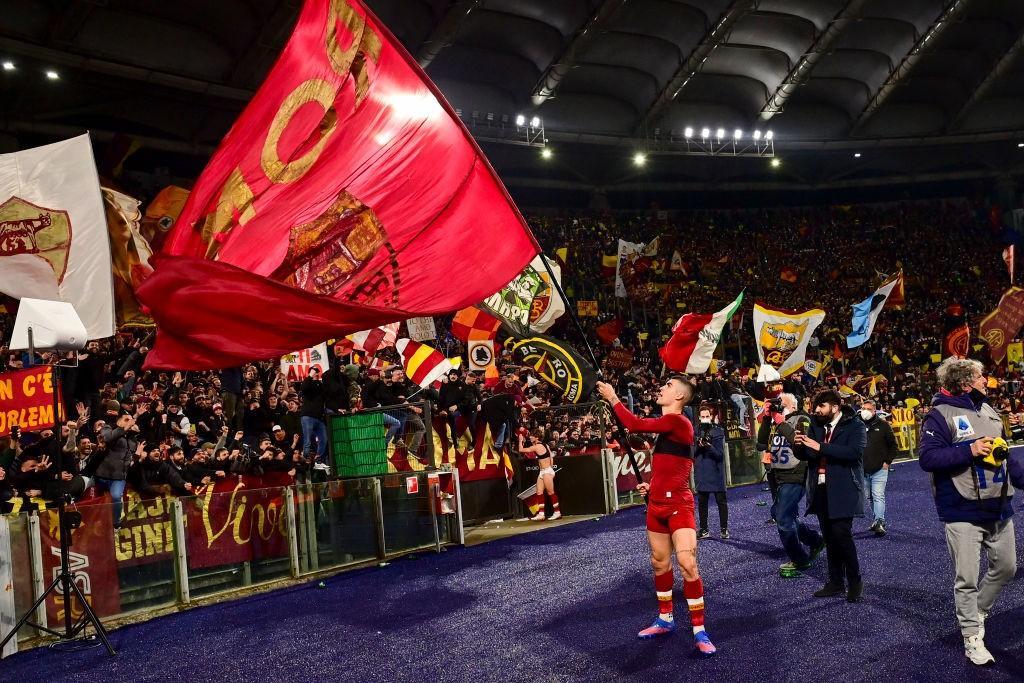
713,368
936,357
1015,353
896,360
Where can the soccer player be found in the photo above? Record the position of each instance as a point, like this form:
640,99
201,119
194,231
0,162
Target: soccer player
670,514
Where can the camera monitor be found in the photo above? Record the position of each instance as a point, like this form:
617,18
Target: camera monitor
55,325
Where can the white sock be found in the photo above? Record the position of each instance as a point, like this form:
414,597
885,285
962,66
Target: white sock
669,617
697,629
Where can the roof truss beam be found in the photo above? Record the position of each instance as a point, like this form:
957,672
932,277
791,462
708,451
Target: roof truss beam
564,63
946,18
801,71
716,35
445,31
1000,68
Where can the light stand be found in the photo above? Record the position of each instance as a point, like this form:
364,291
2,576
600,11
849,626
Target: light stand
64,583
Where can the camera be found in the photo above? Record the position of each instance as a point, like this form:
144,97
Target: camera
775,405
1000,452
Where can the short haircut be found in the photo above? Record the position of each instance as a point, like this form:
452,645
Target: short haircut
827,396
868,402
790,398
956,372
691,390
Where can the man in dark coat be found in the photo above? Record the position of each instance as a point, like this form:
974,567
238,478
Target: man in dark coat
834,451
709,471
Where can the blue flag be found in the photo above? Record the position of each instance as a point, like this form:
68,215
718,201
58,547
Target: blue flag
865,314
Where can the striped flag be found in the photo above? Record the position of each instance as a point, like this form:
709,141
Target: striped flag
473,323
423,364
371,341
695,337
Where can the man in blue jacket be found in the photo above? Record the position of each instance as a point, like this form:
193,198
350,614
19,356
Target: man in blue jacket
709,472
973,487
834,450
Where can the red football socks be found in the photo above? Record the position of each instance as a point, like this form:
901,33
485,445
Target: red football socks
663,587
694,592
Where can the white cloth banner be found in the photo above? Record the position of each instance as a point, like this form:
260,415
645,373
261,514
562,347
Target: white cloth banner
421,329
628,252
8,617
53,231
296,366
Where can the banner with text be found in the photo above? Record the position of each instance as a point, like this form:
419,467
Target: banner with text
26,400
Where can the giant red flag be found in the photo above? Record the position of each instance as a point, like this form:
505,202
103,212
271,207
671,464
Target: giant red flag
347,176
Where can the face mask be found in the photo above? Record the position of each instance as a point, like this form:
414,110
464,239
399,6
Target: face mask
866,415
705,420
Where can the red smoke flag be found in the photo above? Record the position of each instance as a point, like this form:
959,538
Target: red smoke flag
1008,256
331,184
610,331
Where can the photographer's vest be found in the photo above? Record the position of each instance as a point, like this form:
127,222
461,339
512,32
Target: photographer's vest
977,482
781,449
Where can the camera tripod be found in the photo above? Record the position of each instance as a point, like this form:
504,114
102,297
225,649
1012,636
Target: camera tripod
64,583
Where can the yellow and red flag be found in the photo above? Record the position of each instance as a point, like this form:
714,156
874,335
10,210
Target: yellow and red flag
423,364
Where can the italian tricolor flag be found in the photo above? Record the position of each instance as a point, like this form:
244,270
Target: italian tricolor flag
694,338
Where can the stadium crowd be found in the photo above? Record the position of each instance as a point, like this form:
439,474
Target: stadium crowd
188,429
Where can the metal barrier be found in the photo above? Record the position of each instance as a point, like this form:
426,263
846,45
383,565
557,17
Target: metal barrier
172,551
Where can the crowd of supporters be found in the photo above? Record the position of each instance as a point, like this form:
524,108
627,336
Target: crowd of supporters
185,430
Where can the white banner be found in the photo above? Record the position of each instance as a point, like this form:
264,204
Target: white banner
628,251
782,337
295,366
421,329
53,231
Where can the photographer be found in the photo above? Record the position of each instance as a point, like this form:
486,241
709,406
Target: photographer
709,471
802,544
972,481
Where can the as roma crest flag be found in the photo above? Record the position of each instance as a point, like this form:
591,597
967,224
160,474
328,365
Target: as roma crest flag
347,178
1001,326
782,336
53,232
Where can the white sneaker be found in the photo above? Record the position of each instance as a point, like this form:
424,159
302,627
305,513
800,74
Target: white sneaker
556,515
982,616
539,517
321,467
974,648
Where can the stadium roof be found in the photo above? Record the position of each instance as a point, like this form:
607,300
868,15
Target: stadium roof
924,89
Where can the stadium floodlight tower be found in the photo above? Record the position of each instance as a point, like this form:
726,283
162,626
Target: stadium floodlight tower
54,325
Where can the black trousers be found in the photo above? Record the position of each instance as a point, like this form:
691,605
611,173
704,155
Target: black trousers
723,509
843,565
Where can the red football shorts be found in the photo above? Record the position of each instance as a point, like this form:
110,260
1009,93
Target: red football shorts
666,517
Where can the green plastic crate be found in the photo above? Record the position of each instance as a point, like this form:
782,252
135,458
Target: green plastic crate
358,444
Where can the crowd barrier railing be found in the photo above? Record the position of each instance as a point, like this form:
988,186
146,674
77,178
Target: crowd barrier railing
172,551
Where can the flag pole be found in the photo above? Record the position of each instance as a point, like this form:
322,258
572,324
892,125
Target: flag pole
593,361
